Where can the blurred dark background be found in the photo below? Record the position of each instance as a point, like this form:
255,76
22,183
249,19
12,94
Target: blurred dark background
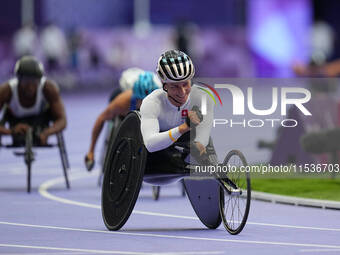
86,43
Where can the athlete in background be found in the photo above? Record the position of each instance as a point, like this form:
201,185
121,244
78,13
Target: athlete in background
31,101
136,84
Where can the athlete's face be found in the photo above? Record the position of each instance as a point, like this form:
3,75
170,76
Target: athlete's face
178,92
28,86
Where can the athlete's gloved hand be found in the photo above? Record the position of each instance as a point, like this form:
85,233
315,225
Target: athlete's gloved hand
194,117
199,153
201,148
89,161
20,129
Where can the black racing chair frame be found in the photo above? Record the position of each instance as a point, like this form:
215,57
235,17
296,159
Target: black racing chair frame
30,143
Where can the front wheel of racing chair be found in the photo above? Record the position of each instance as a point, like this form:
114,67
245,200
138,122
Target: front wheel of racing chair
63,157
28,156
235,193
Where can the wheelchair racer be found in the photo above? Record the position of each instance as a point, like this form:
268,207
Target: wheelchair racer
135,85
32,101
168,113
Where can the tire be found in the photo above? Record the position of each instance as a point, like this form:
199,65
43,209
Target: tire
123,173
235,206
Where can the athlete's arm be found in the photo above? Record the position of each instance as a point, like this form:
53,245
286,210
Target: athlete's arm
53,98
118,106
5,96
203,130
332,69
154,140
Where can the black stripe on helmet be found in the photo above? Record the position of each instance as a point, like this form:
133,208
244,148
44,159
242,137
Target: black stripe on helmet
162,66
160,74
178,64
185,66
171,68
190,68
181,79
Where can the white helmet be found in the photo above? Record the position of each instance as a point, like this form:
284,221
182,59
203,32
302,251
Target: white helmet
175,66
29,66
129,77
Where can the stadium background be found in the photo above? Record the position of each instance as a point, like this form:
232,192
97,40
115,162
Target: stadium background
99,39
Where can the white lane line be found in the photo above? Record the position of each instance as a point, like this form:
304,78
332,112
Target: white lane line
71,249
50,253
190,253
164,215
292,226
82,251
319,250
172,236
43,190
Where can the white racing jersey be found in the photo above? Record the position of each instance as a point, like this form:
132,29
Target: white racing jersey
160,118
17,109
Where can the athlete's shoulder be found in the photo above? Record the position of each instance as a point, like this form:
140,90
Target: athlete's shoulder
50,83
152,103
5,92
12,82
51,90
155,97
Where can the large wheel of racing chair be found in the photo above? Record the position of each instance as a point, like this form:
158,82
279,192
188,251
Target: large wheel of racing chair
111,130
128,164
31,140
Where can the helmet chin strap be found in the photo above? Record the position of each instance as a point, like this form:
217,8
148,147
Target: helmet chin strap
178,107
175,100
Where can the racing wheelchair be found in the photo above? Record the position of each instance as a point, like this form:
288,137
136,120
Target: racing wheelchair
214,199
112,127
31,140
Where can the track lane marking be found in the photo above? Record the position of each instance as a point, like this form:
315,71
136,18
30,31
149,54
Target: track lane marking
82,251
71,249
172,236
319,250
43,190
